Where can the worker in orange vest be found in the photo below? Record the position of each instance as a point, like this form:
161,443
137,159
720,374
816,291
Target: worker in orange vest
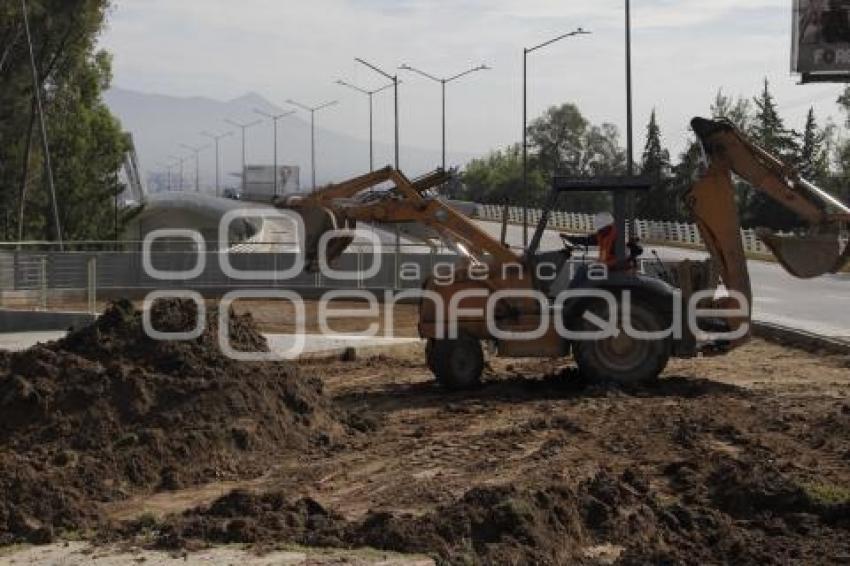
605,237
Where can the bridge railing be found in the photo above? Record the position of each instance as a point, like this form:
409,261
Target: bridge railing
650,231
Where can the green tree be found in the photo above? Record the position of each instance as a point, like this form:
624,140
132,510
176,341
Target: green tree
85,140
660,202
813,161
566,143
497,179
769,132
738,111
685,173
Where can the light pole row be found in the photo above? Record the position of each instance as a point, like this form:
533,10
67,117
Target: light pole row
274,118
197,151
217,140
312,110
243,126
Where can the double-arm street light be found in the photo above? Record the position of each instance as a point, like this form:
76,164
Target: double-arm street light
217,139
312,110
370,94
179,160
197,151
243,126
525,191
168,167
274,118
394,79
444,82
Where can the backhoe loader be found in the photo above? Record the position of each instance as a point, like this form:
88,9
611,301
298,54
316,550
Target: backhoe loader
618,324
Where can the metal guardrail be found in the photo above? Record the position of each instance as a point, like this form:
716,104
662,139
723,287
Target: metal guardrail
42,278
87,275
647,230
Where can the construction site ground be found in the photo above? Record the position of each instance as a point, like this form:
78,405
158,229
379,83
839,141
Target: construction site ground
743,458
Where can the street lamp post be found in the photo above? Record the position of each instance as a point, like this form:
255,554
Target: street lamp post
394,79
525,191
243,126
217,139
444,82
179,160
168,167
197,151
312,110
274,118
370,94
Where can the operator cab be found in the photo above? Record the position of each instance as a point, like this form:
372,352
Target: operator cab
556,271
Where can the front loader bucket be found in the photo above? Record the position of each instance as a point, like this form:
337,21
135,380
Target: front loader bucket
809,256
317,222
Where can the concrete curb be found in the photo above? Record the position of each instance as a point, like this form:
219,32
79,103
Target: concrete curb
801,339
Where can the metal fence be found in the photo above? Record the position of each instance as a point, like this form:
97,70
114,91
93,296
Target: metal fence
39,278
682,233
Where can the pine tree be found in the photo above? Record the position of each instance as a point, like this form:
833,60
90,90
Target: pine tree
769,129
656,159
814,153
659,203
769,132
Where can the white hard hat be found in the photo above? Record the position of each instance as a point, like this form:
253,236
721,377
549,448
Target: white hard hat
602,220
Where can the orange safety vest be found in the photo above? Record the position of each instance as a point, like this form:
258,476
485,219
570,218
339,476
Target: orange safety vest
606,239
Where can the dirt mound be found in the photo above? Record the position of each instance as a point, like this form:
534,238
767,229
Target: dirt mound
733,513
244,517
108,411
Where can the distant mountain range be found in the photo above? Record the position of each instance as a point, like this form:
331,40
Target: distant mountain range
159,123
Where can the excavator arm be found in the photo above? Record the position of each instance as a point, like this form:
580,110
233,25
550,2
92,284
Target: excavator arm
713,205
342,205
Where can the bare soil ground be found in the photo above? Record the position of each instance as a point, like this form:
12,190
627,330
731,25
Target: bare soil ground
741,459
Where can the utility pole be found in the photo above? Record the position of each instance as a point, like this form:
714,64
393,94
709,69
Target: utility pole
525,191
217,139
197,151
443,83
394,79
312,110
48,168
370,94
274,118
243,127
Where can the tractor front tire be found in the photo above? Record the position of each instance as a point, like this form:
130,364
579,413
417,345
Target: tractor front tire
457,364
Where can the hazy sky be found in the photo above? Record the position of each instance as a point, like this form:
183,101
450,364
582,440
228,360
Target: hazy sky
683,51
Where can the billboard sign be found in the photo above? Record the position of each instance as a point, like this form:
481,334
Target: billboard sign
821,37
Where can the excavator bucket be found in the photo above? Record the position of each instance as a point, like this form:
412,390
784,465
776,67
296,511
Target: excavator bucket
319,220
807,257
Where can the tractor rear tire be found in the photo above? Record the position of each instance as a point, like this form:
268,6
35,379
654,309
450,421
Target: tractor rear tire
624,360
457,364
